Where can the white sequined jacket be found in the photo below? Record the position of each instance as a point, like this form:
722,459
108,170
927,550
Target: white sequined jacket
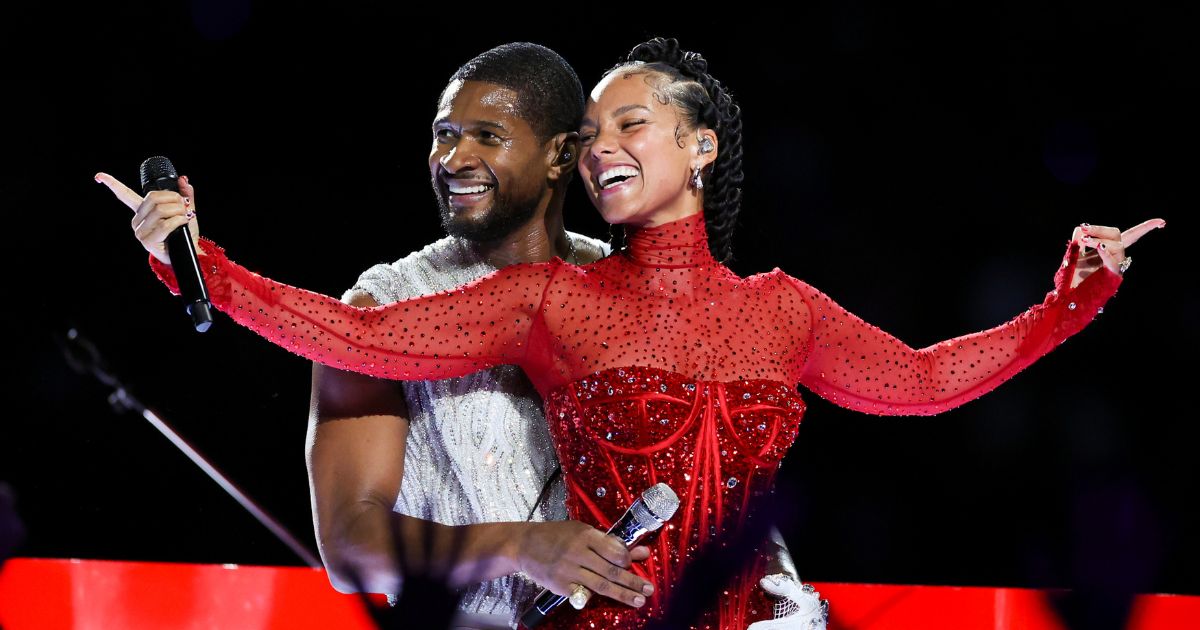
478,449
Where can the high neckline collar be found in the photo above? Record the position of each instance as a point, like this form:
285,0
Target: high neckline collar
679,243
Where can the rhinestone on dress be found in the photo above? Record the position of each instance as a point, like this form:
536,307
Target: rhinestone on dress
600,492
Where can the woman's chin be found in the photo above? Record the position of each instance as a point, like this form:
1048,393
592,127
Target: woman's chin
615,214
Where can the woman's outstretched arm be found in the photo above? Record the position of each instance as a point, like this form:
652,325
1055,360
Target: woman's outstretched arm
452,333
859,366
478,325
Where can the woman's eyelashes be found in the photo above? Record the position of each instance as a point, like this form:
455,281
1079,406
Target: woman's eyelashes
587,137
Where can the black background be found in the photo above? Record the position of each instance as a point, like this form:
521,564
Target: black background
924,166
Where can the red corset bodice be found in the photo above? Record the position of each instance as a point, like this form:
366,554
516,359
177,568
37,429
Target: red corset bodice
717,444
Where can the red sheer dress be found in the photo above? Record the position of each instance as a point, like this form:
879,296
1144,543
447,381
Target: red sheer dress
659,364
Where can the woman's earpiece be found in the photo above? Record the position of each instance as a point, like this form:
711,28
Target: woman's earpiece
706,144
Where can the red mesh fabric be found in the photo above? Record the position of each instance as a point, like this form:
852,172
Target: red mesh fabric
659,364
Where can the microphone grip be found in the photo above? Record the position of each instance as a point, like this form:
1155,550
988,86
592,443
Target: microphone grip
192,288
546,601
159,174
628,530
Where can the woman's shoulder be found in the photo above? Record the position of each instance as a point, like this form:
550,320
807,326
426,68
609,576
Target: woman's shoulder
777,280
774,277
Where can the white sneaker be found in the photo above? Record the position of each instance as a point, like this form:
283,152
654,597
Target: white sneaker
798,607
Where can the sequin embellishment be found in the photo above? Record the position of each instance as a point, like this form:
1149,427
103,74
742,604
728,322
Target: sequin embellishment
600,342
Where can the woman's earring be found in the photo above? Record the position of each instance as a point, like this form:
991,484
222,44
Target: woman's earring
696,181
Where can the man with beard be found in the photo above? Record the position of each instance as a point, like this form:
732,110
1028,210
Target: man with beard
464,467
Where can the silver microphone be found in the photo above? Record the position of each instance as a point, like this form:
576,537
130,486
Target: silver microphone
648,512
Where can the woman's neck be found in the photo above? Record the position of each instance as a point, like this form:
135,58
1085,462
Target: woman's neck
682,242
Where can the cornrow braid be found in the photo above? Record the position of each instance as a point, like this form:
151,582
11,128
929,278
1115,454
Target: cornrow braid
702,99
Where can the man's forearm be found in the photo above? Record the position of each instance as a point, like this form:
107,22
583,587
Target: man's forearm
371,541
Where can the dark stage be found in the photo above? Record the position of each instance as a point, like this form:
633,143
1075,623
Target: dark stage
924,166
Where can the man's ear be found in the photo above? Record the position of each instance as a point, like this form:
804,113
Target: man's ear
564,155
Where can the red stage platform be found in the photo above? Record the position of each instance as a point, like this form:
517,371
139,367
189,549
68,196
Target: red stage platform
87,594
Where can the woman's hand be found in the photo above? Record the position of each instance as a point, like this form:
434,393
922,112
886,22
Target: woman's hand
560,554
158,214
1107,245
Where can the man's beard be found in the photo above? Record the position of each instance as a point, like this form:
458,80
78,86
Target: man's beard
503,217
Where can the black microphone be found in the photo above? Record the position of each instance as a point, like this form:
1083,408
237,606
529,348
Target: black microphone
157,173
656,506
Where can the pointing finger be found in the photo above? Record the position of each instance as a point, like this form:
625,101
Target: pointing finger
1131,236
123,193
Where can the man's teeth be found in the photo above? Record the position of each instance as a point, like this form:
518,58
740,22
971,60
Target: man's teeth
459,190
609,177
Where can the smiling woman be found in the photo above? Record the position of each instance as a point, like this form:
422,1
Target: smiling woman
637,174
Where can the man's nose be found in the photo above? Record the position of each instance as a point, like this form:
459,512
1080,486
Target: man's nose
457,159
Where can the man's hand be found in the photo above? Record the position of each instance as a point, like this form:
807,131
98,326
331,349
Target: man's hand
561,554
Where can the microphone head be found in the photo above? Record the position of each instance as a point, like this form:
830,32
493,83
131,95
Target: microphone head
156,169
659,503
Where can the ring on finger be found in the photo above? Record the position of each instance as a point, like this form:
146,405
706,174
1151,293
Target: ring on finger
579,596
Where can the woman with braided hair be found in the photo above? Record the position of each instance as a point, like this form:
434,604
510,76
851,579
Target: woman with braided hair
658,363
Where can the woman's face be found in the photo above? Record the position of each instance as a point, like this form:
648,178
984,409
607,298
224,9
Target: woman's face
632,139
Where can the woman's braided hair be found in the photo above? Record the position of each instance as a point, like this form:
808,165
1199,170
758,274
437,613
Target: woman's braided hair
701,99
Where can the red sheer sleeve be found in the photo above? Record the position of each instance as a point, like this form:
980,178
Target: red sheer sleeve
858,366
452,333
